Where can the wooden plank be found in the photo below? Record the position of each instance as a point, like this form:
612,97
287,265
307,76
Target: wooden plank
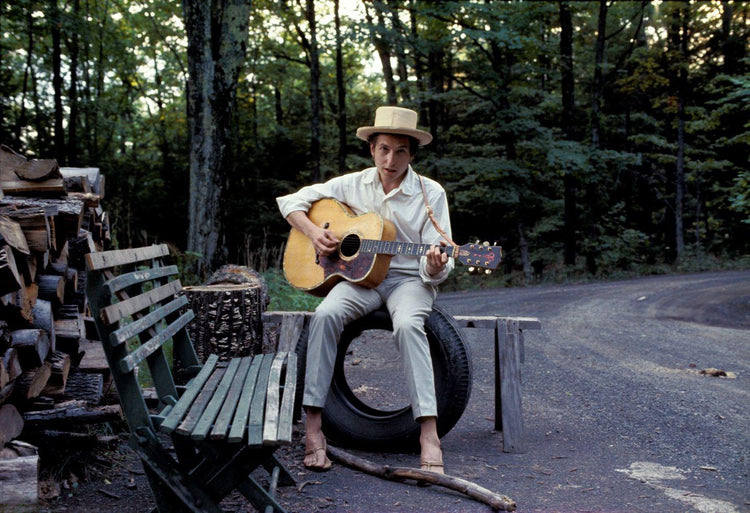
191,392
132,329
19,487
129,363
106,259
223,421
133,278
510,387
291,327
257,407
286,412
200,432
273,399
201,402
117,311
239,423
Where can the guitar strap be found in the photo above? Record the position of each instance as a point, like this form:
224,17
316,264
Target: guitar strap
431,215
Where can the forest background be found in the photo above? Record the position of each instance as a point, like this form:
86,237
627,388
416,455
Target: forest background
589,139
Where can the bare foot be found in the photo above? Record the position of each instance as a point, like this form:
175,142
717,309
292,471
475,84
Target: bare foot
431,454
316,458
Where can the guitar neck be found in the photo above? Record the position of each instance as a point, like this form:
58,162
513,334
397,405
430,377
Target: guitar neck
392,247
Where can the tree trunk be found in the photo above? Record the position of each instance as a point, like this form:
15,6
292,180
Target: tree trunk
383,49
57,82
217,37
592,185
341,90
315,98
567,122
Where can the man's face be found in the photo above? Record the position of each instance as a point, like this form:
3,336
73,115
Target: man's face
392,156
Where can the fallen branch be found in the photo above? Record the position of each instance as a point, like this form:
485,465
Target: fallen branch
495,501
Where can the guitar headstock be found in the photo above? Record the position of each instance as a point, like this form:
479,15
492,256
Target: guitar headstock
480,256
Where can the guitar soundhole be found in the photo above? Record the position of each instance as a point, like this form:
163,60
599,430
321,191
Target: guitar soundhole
350,246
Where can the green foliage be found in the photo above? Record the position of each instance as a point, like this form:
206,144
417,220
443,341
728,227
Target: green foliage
284,296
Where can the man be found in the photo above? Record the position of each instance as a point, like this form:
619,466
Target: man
393,190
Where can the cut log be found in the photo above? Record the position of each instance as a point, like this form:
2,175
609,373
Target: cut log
54,439
71,415
227,319
79,246
19,487
21,305
4,376
37,170
69,329
51,288
32,346
31,383
92,176
6,392
11,232
85,386
11,424
12,365
43,320
9,160
10,278
60,368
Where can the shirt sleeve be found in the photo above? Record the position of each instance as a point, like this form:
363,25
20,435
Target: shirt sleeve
306,196
430,235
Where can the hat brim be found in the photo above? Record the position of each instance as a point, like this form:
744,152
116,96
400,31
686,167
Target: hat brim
423,137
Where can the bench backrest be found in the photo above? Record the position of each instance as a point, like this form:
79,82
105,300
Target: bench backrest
137,307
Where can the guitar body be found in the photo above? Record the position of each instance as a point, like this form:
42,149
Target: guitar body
318,276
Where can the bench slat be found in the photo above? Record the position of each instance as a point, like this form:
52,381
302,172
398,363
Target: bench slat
239,423
271,423
199,405
115,312
223,421
123,281
129,363
286,412
257,408
200,432
140,325
115,257
191,392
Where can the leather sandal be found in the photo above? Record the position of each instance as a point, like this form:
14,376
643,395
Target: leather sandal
429,465
318,468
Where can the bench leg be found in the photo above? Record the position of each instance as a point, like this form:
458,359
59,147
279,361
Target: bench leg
508,414
171,493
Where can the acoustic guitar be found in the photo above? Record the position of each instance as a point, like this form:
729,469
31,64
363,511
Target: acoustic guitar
364,252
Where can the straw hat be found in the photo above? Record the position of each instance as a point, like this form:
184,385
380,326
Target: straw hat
395,120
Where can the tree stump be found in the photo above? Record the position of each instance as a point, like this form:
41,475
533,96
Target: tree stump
228,312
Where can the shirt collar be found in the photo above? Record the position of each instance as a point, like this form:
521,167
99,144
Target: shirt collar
409,186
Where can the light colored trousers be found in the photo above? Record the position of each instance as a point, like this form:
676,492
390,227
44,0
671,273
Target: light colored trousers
409,302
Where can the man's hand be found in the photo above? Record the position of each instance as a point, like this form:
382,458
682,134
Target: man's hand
323,240
436,259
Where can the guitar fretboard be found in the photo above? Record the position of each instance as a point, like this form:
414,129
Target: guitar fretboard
392,247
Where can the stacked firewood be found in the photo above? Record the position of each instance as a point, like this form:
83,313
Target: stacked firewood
50,371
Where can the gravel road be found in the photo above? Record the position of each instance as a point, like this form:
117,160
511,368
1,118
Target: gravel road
618,416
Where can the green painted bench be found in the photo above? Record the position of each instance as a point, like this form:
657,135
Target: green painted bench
204,439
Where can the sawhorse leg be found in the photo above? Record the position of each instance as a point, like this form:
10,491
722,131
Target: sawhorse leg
508,414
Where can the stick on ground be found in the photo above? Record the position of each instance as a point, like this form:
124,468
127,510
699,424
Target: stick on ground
495,501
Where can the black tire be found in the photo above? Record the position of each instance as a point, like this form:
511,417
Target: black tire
349,422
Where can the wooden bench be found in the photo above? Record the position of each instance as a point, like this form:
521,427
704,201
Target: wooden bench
228,419
508,333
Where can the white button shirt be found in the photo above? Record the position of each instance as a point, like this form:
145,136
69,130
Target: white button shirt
404,206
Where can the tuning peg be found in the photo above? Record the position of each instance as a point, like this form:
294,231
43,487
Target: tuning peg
485,243
472,269
488,271
494,243
477,242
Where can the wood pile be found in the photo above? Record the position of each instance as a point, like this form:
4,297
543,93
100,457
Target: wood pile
52,377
